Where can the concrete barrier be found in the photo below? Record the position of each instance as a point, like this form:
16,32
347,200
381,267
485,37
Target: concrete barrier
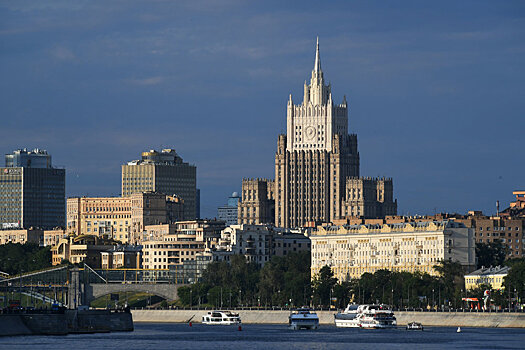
512,320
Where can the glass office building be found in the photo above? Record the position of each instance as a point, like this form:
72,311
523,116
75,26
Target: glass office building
32,192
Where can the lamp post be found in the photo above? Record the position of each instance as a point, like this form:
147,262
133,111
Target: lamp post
433,299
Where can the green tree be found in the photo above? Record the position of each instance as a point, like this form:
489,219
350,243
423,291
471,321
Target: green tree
490,254
514,282
451,278
16,258
323,284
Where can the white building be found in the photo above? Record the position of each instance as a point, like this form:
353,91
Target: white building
258,243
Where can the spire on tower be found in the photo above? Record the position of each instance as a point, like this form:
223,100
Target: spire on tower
317,65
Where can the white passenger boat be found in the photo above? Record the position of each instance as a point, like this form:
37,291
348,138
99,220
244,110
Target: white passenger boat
376,316
303,318
348,317
366,316
225,318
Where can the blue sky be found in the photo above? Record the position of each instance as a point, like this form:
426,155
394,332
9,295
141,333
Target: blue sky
436,89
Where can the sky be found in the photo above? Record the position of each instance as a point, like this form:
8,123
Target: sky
436,90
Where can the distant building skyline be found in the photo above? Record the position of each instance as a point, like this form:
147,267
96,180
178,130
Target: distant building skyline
435,89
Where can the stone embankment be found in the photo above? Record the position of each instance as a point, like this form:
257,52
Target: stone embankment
62,323
454,319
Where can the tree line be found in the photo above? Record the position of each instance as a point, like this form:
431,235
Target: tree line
16,258
286,282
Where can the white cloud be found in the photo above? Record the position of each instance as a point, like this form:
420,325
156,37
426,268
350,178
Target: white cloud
63,53
147,81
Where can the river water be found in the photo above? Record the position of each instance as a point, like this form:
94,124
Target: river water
157,336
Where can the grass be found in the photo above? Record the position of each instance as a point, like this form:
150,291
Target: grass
133,300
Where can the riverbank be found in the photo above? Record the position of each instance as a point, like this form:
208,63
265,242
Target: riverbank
437,319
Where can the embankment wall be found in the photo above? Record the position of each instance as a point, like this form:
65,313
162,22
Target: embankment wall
513,320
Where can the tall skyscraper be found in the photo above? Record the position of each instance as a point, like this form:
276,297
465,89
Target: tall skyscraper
32,192
315,159
162,172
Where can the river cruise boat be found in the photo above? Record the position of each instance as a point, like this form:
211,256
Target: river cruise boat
225,318
376,316
414,326
348,317
303,318
366,316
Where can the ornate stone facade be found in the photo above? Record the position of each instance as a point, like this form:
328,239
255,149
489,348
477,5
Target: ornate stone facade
351,250
317,163
257,205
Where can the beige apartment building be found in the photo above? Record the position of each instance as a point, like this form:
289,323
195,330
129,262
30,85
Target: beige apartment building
120,218
21,236
162,172
52,237
173,244
352,250
81,249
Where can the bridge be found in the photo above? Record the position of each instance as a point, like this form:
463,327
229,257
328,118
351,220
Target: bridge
74,286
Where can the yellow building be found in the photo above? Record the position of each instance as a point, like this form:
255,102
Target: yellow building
352,250
492,276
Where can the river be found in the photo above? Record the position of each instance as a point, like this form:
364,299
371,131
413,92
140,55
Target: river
156,336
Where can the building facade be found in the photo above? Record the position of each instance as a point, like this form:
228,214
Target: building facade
118,257
510,232
492,276
258,205
21,236
121,218
174,244
32,191
81,249
368,197
162,172
257,243
352,250
229,212
316,157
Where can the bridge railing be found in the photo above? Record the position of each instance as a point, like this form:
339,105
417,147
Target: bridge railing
139,276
